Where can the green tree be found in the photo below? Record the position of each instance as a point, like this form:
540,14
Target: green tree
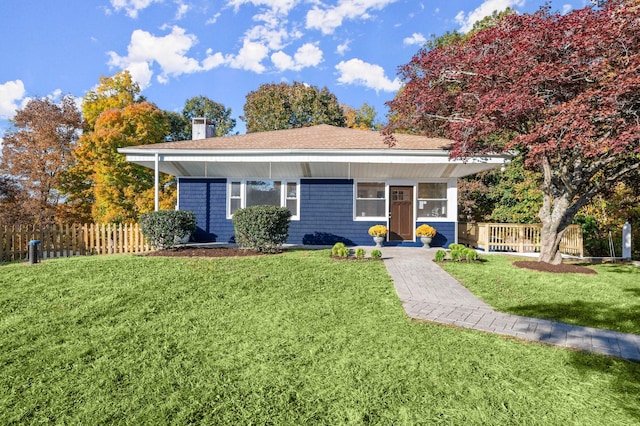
363,118
36,152
284,106
179,127
217,114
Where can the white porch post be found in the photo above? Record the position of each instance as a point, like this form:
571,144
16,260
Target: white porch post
626,241
156,199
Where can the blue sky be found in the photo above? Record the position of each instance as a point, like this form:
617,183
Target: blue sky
177,49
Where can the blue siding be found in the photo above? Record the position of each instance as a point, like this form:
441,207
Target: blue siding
208,199
326,214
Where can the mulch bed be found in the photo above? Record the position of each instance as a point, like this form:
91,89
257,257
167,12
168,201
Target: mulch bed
563,268
204,252
357,259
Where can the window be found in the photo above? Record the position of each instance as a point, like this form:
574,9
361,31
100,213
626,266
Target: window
263,192
432,200
291,201
235,196
370,199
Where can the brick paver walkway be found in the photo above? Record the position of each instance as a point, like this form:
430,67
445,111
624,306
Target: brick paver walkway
427,292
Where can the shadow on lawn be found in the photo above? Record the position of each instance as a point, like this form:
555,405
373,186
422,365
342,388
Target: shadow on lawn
625,378
598,315
624,374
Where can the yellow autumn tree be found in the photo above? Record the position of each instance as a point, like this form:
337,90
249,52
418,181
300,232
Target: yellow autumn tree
114,92
122,191
363,118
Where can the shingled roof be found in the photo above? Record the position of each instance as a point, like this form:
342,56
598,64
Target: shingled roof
318,137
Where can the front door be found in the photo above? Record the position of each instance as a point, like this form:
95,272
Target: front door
401,213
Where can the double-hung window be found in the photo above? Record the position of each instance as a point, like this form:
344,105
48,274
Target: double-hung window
259,192
432,199
370,200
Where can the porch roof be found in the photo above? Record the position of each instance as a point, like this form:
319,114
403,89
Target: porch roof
321,151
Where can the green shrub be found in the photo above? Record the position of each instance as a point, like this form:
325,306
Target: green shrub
440,255
456,247
344,252
457,254
262,228
376,254
336,249
360,252
470,254
166,228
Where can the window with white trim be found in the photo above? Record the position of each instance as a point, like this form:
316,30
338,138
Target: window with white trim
432,199
291,198
260,192
235,196
370,199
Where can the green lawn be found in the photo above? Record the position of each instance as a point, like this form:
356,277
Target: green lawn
287,339
610,299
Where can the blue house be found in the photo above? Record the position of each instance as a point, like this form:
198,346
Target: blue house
336,181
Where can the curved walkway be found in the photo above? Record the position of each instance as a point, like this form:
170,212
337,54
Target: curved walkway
429,293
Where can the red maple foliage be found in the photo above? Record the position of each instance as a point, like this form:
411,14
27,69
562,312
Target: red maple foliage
562,90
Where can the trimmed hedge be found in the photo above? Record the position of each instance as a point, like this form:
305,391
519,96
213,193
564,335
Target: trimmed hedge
166,228
262,228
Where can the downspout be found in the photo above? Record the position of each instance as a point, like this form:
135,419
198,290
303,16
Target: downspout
156,198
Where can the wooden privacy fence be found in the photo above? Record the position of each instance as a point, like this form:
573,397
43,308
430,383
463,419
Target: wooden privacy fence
516,237
64,240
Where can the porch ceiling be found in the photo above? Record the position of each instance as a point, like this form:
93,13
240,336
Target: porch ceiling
319,169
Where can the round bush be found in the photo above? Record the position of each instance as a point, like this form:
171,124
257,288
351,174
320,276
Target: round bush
440,255
262,228
166,228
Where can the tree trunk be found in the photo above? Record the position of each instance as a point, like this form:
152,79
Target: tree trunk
553,215
550,243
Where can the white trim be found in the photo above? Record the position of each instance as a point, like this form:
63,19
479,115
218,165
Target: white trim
452,200
243,197
156,182
360,218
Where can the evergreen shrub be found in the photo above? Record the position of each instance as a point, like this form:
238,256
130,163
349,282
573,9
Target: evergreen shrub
262,228
166,228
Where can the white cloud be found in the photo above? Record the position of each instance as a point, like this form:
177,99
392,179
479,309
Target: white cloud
168,52
11,95
132,7
182,11
274,38
343,48
308,55
213,19
277,6
358,72
328,19
212,60
566,8
282,61
249,57
466,20
416,38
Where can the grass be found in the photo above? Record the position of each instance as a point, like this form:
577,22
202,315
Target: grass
287,339
609,299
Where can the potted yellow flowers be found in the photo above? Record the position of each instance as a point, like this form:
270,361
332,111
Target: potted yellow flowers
378,232
426,234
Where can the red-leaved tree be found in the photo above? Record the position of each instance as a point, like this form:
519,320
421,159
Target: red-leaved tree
563,90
